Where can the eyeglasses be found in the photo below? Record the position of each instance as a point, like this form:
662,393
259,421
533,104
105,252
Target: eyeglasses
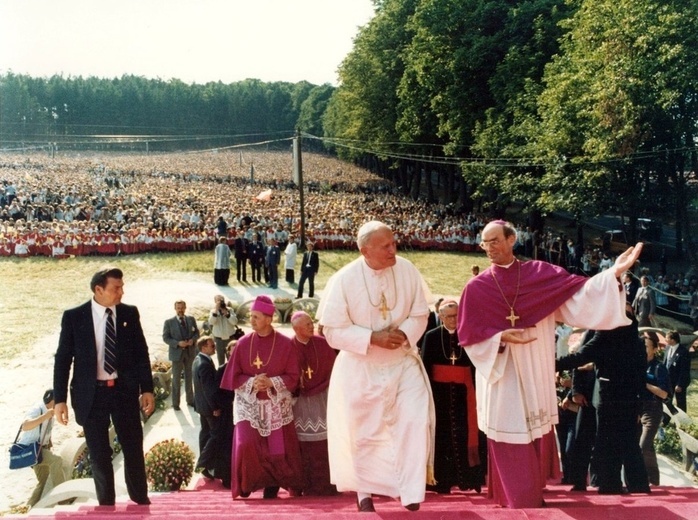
486,244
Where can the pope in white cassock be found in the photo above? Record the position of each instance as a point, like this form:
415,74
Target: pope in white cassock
506,323
380,414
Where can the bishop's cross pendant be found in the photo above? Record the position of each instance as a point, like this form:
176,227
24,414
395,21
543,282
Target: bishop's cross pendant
309,372
257,362
383,306
512,317
453,358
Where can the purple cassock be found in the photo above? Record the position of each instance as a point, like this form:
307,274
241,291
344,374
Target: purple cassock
265,451
316,360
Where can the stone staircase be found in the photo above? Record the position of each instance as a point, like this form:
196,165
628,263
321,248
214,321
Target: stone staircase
207,499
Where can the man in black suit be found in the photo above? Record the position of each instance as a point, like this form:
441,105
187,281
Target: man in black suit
223,432
620,363
205,394
309,268
180,333
678,363
240,247
110,377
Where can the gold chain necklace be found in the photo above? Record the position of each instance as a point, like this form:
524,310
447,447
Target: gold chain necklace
453,357
257,361
382,302
308,372
512,315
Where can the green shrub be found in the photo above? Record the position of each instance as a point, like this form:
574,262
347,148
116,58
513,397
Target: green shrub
668,443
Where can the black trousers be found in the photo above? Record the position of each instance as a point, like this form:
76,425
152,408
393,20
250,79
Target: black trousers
582,446
306,274
618,446
256,268
241,266
208,449
121,407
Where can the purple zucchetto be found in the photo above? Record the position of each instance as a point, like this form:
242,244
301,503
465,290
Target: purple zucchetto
263,304
298,314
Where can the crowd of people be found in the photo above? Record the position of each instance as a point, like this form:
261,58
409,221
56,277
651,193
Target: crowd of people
137,204
128,204
464,399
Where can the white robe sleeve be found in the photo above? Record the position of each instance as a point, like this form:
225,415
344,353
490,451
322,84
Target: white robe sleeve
599,304
333,313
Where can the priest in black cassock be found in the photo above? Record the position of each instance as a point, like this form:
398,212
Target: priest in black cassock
460,457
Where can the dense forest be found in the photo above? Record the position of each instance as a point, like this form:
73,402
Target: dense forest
584,106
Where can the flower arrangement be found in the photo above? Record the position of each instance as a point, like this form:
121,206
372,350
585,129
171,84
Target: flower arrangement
161,366
691,429
83,463
161,394
280,299
169,465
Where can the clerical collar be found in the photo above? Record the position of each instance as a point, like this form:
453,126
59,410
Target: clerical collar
302,342
449,330
373,271
506,266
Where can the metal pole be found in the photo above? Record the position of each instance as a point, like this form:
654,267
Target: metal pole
298,178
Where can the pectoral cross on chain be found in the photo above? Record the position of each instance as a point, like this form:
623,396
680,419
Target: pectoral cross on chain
512,317
257,362
309,372
383,306
453,358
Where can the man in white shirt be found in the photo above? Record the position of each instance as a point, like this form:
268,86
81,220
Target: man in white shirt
37,427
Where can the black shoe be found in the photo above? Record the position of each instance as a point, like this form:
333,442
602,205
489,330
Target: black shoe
578,488
366,505
207,474
271,492
612,491
176,408
143,502
244,494
412,507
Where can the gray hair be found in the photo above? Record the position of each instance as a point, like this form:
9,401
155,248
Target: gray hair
367,230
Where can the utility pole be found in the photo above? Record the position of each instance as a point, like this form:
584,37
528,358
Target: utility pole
298,179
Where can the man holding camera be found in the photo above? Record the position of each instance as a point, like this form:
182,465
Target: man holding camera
223,325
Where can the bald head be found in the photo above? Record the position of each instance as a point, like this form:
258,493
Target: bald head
303,326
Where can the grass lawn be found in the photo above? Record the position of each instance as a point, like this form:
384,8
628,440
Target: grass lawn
36,291
43,288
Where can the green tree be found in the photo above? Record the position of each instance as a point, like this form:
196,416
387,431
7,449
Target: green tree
362,110
618,101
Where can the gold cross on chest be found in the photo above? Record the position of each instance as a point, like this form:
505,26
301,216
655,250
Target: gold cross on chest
257,362
512,317
383,306
453,358
309,372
